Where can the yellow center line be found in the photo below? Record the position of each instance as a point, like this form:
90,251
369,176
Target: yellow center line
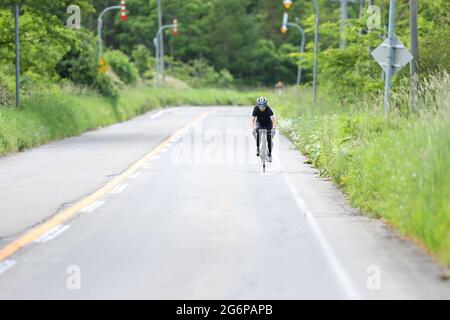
70,212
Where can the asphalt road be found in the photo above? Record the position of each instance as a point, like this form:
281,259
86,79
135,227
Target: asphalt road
159,212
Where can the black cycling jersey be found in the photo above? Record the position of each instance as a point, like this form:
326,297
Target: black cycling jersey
263,117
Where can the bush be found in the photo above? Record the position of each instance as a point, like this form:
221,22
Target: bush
80,65
106,87
6,89
142,58
198,73
122,66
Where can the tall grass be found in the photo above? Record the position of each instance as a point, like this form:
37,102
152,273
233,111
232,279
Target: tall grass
396,168
63,112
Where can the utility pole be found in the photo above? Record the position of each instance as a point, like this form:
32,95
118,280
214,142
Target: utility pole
414,65
160,61
344,18
390,58
17,36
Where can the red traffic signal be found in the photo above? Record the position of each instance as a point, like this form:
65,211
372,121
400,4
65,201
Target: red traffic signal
123,13
175,27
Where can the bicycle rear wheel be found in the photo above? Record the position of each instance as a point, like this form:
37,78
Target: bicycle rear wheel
263,143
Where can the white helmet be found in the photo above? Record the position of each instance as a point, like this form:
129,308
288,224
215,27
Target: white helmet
261,101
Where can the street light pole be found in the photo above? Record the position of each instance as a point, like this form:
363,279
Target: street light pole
158,50
100,27
287,4
302,48
390,58
17,36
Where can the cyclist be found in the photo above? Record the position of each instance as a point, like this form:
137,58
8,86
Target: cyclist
263,118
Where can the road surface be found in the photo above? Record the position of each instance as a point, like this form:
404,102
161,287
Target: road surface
174,205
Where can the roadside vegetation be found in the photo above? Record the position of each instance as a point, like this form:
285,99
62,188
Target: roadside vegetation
62,112
395,168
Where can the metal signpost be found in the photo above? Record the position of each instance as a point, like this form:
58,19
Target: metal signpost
392,56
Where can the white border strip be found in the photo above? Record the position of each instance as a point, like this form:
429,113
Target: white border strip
335,265
6,265
119,189
94,206
52,234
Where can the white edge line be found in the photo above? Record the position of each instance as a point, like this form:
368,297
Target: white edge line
156,115
160,113
52,234
335,264
146,165
135,175
93,206
119,189
6,265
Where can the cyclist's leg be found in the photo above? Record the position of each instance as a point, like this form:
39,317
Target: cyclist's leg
269,141
257,138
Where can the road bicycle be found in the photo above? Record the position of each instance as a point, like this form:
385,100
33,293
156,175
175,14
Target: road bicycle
263,147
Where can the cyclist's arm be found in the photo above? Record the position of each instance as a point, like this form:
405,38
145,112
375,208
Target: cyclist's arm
254,122
274,121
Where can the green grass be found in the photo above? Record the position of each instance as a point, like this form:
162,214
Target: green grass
397,169
58,113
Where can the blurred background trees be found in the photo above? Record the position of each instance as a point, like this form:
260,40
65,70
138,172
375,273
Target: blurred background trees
220,43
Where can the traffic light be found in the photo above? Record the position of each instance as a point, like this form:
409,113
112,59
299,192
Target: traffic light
175,27
287,4
123,13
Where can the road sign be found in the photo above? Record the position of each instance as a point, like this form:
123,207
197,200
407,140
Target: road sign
402,56
102,66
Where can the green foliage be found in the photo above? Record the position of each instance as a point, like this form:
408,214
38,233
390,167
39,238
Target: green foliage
55,113
7,88
105,86
142,59
239,36
198,73
44,36
122,66
80,65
